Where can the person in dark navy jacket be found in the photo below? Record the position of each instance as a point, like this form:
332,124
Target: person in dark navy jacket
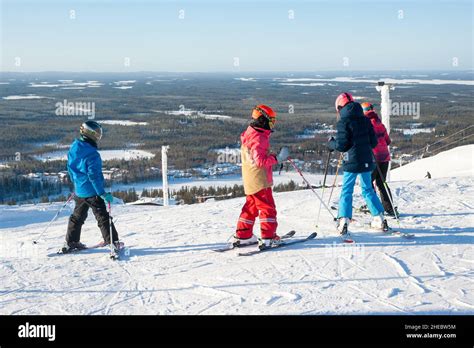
355,138
84,166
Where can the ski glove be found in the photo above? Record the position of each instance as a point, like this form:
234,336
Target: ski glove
283,155
107,197
331,144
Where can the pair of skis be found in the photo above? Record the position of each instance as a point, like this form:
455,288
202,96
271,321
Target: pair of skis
114,255
388,232
347,238
283,243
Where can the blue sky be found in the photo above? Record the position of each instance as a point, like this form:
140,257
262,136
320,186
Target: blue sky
213,33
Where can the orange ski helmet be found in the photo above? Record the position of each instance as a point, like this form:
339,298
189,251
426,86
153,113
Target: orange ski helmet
367,107
265,111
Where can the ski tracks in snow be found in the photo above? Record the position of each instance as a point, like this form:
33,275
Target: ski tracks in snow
172,269
405,273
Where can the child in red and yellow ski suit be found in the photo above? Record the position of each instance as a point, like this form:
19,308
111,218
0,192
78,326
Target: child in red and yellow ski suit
257,163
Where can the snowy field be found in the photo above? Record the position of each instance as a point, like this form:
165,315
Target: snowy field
171,268
23,97
106,155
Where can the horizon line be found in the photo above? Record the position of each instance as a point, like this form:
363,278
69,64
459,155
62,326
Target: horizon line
235,72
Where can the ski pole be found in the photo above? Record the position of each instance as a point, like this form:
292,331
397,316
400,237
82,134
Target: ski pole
335,178
324,186
54,218
385,186
110,228
110,216
311,187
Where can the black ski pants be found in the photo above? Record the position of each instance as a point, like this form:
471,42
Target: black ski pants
79,216
384,192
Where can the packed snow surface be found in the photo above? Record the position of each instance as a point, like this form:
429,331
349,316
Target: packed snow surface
455,162
171,268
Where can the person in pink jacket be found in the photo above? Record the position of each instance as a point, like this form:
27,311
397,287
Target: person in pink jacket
257,163
382,157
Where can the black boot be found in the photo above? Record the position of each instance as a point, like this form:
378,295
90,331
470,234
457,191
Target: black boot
72,246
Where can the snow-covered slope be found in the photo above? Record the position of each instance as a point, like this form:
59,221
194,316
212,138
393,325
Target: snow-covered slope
455,162
172,269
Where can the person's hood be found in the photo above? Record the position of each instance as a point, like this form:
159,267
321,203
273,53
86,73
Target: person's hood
351,110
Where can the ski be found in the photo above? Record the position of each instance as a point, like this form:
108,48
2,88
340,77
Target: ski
281,245
396,233
347,238
75,251
367,212
231,246
392,232
345,235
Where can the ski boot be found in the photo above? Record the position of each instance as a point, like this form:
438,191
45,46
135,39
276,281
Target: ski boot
265,243
238,242
343,225
380,223
71,246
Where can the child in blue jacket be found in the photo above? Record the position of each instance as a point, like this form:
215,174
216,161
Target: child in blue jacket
85,171
356,138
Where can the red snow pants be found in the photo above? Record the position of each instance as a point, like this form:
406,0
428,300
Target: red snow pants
259,204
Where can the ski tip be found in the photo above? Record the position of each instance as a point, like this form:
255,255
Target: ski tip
312,235
221,250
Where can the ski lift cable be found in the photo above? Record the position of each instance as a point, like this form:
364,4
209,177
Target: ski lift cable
439,141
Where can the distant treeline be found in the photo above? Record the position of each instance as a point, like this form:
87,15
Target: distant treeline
19,188
199,194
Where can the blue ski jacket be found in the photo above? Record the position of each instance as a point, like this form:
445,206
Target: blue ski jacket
84,166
